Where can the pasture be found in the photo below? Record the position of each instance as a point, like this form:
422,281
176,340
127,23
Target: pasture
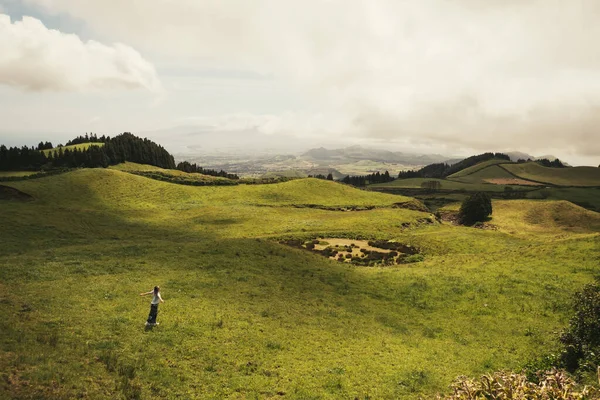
248,317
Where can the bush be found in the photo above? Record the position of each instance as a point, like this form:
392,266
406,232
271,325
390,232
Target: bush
475,208
554,384
582,338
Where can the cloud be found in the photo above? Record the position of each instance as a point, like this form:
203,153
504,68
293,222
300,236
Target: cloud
35,58
499,73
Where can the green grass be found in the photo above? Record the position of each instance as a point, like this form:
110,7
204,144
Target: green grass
476,186
585,197
170,175
474,168
574,176
16,174
81,146
482,175
246,317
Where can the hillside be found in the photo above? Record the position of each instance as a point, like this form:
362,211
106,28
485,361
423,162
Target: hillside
248,317
574,176
80,146
472,169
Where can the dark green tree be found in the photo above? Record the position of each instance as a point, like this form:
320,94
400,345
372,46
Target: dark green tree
475,208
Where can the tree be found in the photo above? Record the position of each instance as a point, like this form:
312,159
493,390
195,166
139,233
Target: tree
475,208
330,176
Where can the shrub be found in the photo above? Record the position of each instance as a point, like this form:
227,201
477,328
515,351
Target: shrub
554,384
582,338
475,208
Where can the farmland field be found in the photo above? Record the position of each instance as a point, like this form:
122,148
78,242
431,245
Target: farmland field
248,317
477,167
474,184
574,176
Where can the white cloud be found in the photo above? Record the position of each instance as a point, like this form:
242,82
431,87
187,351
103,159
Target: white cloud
36,58
459,73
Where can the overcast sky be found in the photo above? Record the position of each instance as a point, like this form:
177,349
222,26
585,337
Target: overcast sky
434,76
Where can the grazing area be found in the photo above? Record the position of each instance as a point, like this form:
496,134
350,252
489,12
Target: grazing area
246,316
575,176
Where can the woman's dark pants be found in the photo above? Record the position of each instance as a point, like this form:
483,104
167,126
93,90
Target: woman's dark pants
153,313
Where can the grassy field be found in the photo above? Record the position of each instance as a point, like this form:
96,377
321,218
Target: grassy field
574,176
474,185
81,146
16,174
172,175
484,174
246,317
472,169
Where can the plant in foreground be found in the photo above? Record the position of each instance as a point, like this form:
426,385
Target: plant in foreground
553,384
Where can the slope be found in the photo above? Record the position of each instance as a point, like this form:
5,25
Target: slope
81,146
573,176
470,170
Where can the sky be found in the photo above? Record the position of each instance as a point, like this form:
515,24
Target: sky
454,77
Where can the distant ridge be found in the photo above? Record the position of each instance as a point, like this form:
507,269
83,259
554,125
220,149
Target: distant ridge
357,153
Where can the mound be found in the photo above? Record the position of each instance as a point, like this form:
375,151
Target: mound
544,217
563,214
8,193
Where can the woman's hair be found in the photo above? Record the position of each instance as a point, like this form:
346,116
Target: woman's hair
156,289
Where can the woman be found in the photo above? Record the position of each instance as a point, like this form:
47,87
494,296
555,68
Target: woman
153,305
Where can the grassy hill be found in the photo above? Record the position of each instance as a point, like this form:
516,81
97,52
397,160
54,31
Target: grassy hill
170,175
574,176
81,146
247,317
477,167
15,174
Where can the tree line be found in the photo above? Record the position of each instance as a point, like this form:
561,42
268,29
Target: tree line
363,180
121,148
442,170
187,167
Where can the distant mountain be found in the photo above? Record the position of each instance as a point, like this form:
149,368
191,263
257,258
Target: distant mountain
356,153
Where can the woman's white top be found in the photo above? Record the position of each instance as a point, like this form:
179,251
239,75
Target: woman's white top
156,299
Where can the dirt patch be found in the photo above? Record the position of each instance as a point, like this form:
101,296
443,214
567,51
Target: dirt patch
414,205
9,193
360,252
511,181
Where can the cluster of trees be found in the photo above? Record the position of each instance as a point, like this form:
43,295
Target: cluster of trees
124,147
442,170
88,138
187,167
329,176
551,164
44,146
363,180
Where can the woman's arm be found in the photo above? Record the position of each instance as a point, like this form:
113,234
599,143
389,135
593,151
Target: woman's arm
150,292
160,297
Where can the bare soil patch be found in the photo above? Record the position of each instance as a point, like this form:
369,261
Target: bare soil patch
512,181
360,252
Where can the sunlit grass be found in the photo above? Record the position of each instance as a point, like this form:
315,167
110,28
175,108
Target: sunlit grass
246,317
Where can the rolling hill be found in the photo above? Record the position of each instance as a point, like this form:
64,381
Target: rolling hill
248,317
